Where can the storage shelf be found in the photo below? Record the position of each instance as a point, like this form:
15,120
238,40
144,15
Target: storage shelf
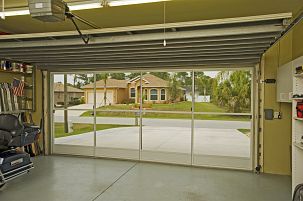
299,75
298,145
28,102
298,119
297,99
14,72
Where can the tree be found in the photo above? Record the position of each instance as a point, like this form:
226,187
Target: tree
133,75
104,77
162,75
241,90
184,78
232,90
174,89
80,80
118,76
203,83
75,79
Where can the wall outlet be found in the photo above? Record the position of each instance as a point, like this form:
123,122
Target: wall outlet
277,115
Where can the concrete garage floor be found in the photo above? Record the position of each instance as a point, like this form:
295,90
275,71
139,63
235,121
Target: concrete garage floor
57,178
219,142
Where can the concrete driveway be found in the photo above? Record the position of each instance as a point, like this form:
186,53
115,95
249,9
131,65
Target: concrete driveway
208,141
159,122
76,110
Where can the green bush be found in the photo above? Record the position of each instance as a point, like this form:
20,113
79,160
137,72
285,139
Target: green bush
128,101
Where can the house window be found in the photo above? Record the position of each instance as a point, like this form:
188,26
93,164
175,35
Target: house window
163,95
145,94
154,94
132,93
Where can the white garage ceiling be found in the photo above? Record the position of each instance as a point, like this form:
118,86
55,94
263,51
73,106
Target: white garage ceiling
226,42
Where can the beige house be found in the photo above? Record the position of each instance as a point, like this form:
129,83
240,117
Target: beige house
116,92
155,90
72,93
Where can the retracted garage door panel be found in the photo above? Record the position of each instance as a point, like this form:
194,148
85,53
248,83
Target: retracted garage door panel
232,42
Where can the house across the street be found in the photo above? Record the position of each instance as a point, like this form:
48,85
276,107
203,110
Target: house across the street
72,93
116,92
155,90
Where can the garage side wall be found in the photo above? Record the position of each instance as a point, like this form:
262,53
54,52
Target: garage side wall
277,133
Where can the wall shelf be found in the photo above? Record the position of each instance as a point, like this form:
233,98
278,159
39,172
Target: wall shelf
297,127
298,145
299,75
15,72
26,102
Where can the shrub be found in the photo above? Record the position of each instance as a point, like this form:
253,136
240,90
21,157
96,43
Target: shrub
82,100
145,105
75,101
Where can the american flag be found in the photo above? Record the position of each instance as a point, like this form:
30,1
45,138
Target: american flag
18,87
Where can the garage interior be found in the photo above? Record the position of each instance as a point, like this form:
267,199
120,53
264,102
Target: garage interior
123,109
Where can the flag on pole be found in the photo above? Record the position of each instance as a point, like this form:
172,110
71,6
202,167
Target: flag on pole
18,87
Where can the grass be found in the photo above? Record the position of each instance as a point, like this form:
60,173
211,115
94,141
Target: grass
177,107
83,128
245,131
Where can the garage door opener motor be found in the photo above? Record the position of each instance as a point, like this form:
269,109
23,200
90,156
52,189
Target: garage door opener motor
57,11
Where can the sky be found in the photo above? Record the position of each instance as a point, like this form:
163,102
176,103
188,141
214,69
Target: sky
211,74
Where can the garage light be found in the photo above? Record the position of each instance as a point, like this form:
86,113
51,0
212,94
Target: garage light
79,6
84,6
131,2
2,10
15,13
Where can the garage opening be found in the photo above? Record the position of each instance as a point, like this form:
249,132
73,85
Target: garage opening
195,117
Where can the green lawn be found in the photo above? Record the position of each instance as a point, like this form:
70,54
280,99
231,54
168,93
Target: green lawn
245,131
181,106
83,128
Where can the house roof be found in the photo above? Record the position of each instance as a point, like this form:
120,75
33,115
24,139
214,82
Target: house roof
110,83
59,87
151,81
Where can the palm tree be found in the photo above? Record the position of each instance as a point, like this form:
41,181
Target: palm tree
104,77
